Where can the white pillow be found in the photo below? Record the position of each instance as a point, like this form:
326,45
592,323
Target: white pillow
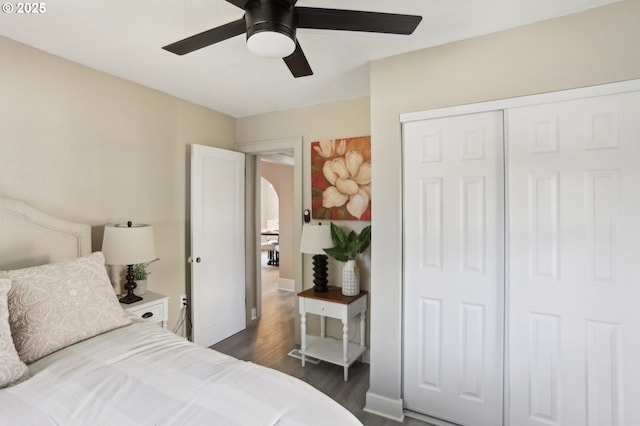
11,368
53,306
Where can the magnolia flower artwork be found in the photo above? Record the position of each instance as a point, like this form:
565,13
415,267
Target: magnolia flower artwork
341,179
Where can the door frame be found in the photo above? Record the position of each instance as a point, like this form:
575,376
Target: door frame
529,100
254,150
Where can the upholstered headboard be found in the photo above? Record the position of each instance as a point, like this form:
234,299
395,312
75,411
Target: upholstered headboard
30,237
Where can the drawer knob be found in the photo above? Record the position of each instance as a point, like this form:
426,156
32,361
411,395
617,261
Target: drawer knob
147,315
322,308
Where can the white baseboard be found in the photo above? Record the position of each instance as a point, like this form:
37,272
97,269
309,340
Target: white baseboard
384,407
286,284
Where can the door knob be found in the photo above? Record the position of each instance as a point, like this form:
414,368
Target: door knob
198,260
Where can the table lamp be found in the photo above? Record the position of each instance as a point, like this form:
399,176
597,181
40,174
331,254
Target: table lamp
315,238
128,244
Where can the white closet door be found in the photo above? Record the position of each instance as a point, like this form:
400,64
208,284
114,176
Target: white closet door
574,287
453,265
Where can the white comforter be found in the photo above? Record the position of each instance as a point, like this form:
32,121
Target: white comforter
144,375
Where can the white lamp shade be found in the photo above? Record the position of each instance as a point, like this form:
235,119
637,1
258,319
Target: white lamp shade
124,245
271,44
315,238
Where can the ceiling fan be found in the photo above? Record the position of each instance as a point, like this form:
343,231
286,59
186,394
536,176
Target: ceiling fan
271,26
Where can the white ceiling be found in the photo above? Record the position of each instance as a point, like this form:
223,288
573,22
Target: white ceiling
124,38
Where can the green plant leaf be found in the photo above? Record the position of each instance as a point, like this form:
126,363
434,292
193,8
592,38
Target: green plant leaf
140,271
336,253
347,247
338,237
364,238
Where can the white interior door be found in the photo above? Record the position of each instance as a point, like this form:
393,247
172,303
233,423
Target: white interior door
217,244
574,212
453,268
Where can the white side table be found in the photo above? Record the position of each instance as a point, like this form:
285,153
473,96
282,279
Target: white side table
153,307
332,304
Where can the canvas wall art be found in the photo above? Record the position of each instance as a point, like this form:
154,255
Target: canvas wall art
341,179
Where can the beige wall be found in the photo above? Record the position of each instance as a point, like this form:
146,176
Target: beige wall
268,204
97,149
281,177
593,47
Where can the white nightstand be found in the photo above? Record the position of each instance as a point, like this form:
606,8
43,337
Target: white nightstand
332,304
153,307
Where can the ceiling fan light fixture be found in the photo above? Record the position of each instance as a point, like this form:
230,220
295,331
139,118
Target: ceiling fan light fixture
271,44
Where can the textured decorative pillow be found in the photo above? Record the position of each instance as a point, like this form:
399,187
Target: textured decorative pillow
53,306
11,368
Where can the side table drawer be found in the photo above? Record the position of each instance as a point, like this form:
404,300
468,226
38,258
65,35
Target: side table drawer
321,307
154,313
153,307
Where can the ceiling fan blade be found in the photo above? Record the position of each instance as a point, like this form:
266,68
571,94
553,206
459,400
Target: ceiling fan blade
240,3
353,20
297,63
207,38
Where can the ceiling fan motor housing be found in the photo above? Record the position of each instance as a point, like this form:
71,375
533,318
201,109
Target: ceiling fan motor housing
271,29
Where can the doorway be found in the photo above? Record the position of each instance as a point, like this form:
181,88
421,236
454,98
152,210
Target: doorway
276,237
269,226
274,150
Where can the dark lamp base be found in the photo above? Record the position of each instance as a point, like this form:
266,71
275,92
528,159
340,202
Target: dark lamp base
130,298
320,273
130,285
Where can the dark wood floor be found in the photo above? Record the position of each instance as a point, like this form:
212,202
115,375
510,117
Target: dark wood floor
268,341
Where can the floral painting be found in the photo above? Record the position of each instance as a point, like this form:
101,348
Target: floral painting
341,179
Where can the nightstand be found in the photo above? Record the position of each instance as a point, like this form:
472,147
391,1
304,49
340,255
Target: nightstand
153,307
332,304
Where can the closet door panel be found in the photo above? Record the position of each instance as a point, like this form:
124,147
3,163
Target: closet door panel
574,237
453,253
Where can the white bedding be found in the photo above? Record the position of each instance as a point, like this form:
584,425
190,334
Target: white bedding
142,374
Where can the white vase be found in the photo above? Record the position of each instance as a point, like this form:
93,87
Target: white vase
141,287
350,279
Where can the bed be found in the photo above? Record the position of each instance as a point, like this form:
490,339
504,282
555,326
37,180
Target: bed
70,355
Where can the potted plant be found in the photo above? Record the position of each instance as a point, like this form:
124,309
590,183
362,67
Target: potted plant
346,247
140,274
